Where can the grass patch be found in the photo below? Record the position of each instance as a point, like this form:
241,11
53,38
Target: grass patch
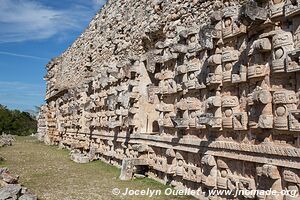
48,171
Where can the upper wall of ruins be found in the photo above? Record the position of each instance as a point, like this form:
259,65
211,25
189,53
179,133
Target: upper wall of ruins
225,65
121,32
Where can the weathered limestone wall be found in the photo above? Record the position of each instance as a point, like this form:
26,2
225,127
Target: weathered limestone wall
205,93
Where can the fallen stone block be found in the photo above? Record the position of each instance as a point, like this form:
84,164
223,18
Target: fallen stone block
80,158
9,178
10,191
28,196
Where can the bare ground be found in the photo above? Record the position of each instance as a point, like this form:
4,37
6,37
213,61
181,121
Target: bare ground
48,172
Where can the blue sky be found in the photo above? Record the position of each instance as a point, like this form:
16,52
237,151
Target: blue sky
31,33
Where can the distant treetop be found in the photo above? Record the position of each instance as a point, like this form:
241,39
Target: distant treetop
16,122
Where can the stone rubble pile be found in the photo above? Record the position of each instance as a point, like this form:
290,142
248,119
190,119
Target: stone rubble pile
10,189
6,140
79,157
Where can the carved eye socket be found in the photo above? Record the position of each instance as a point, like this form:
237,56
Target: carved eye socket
180,163
228,22
193,115
277,1
280,111
192,76
228,66
193,39
278,53
224,173
228,113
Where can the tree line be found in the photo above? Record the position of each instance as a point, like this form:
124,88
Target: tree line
16,122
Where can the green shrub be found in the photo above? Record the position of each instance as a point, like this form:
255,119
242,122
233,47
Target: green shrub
16,122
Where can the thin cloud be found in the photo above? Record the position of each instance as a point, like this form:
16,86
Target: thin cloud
24,20
22,55
15,85
98,3
21,95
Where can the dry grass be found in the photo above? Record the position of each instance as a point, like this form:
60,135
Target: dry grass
49,173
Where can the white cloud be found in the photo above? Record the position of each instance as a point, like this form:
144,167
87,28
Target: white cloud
23,20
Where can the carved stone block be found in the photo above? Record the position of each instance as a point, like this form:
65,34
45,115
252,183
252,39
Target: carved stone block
293,61
240,121
282,44
254,12
284,102
276,8
292,8
294,120
180,122
230,26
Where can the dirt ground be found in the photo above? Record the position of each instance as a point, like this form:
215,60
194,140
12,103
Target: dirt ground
48,172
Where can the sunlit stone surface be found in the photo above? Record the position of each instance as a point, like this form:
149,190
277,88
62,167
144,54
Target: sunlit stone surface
198,94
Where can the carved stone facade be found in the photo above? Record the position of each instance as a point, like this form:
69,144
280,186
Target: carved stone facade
205,94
